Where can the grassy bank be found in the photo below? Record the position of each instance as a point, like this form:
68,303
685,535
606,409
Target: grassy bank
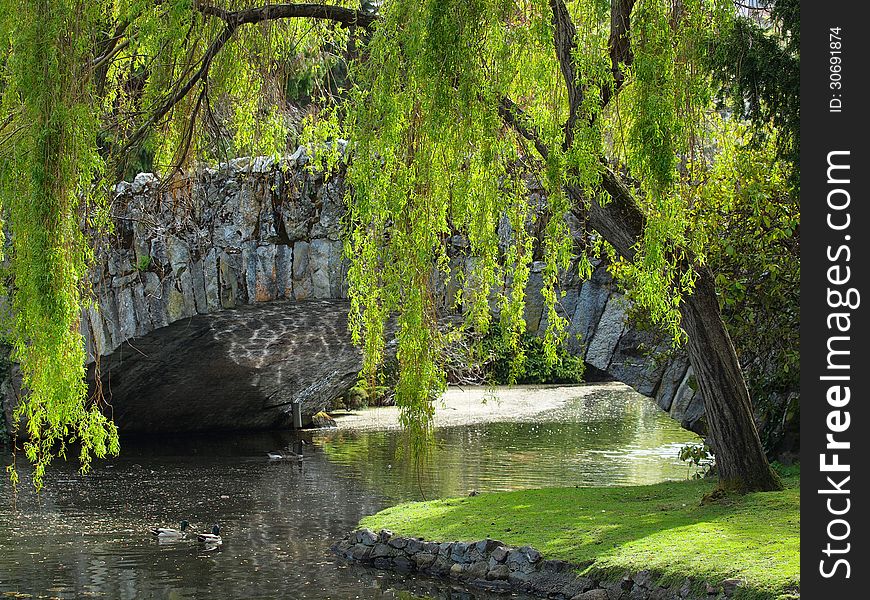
663,528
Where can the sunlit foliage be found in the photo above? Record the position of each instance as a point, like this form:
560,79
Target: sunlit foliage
453,109
86,86
49,170
431,154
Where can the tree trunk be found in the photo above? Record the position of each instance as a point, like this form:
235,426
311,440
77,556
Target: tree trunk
740,458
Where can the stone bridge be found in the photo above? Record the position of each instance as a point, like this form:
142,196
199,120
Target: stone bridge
221,302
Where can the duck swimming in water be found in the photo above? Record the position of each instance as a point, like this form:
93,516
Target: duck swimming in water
167,533
289,454
213,538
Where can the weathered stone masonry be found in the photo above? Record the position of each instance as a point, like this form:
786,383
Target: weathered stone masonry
491,565
251,231
257,231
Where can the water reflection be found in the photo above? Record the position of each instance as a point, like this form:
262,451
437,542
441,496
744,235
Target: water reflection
609,437
88,536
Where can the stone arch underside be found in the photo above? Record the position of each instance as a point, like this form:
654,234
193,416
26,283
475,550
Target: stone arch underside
241,368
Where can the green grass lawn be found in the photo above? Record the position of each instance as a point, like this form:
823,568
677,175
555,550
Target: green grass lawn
663,528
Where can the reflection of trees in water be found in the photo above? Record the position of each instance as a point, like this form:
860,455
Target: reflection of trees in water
89,535
613,437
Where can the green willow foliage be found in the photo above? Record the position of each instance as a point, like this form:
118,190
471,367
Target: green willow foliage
79,83
234,110
431,155
46,180
757,266
758,66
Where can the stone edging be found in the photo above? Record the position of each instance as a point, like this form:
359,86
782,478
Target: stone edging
494,566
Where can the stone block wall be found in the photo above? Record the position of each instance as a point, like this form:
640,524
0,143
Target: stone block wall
253,230
599,331
494,566
257,230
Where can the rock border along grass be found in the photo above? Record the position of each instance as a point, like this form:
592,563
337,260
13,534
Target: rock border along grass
493,566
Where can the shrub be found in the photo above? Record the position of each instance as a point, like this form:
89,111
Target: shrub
496,362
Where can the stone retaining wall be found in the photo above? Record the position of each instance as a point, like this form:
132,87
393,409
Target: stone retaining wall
494,566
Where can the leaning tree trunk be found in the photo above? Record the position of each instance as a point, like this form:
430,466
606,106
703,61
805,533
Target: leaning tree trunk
740,458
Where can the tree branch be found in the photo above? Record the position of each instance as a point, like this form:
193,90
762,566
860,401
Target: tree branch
514,117
161,112
621,221
108,46
105,58
619,45
187,137
9,118
345,16
565,42
233,20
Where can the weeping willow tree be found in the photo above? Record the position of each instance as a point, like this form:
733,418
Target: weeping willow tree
454,107
609,107
49,168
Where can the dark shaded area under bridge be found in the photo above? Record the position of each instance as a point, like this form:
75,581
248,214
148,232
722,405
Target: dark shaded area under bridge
234,369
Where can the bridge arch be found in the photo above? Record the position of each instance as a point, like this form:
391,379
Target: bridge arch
230,282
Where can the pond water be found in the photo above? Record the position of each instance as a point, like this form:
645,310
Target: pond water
87,537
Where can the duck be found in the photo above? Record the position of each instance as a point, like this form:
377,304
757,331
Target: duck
213,538
300,454
168,533
289,454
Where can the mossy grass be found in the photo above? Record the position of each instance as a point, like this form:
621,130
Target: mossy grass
664,528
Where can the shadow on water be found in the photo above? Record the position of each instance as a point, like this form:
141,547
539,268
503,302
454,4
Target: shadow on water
88,536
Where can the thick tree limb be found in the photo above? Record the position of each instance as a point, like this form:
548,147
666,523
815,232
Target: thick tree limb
621,221
565,42
345,16
619,45
107,47
107,51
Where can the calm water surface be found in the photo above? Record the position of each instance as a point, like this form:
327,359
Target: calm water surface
86,537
